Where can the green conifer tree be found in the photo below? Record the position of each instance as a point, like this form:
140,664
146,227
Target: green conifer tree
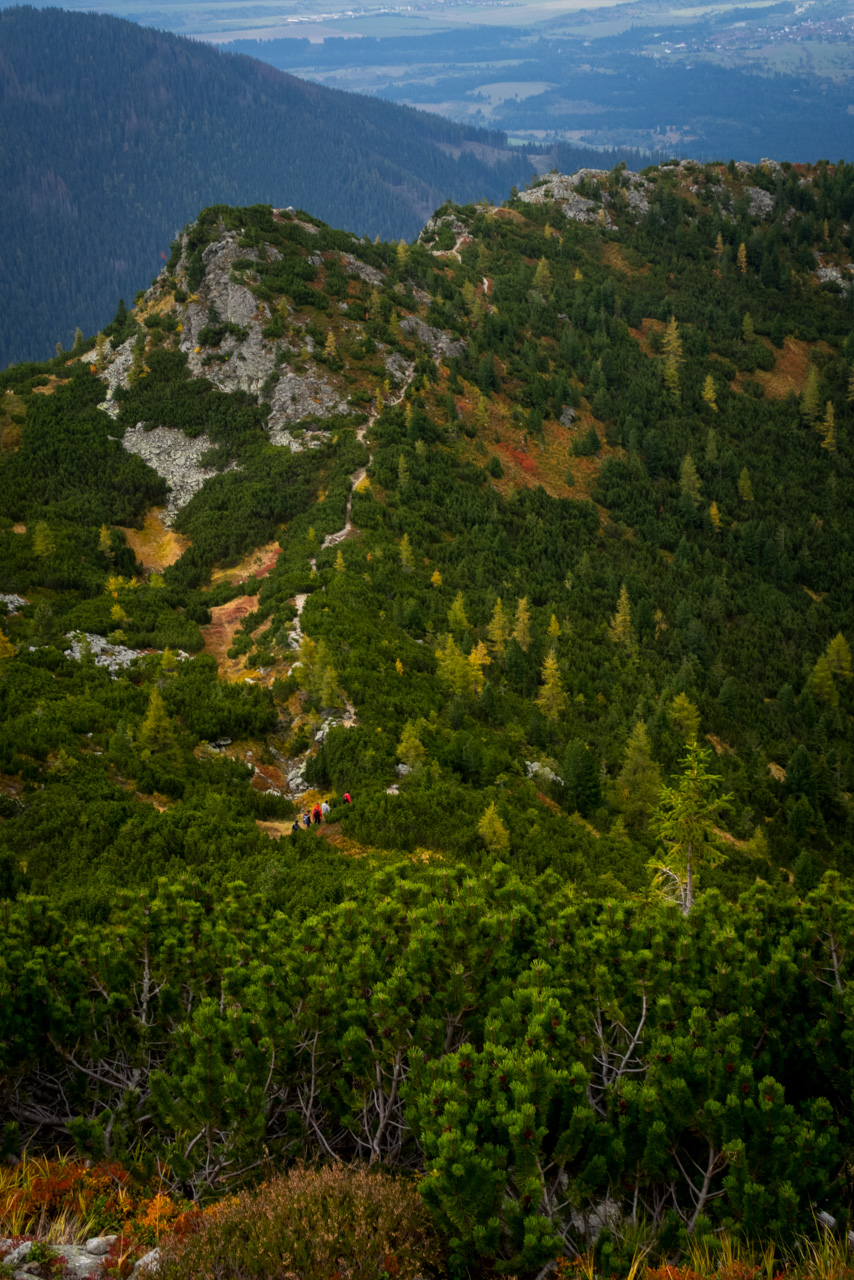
810,404
582,779
157,735
638,786
689,479
686,824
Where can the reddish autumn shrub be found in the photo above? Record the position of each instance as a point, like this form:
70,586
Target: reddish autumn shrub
330,1222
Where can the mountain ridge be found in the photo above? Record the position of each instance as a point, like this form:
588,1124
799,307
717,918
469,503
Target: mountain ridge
90,206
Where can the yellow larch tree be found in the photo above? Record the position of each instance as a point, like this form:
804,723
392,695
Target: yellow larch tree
838,654
551,698
498,629
457,619
685,716
522,628
452,666
410,749
620,628
828,428
407,559
493,832
477,660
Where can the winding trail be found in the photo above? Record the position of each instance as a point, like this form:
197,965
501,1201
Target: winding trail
332,539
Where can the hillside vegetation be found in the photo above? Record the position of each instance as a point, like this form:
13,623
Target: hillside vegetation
533,537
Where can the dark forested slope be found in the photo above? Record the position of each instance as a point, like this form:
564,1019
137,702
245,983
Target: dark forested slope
113,135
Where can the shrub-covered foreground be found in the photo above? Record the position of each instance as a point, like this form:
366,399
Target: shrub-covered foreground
533,1053
337,1222
311,1222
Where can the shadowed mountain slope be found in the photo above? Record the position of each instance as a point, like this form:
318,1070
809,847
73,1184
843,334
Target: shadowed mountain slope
114,135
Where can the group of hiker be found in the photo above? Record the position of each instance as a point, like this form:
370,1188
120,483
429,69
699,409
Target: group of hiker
318,814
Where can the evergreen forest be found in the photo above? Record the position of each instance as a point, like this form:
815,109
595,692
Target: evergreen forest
524,547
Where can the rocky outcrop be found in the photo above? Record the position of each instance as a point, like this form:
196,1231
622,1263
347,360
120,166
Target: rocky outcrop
834,275
107,653
541,772
301,396
761,202
78,1260
250,358
445,221
439,343
12,602
115,657
176,458
148,1265
361,269
72,1261
115,373
399,370
563,190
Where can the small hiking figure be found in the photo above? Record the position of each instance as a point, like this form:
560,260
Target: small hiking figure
295,827
324,809
306,819
347,799
316,815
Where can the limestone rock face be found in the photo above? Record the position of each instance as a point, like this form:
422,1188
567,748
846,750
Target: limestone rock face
251,358
298,396
833,275
761,202
563,189
176,458
399,369
440,344
115,374
361,269
103,652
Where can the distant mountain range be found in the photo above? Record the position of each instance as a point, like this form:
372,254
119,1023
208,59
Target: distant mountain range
114,135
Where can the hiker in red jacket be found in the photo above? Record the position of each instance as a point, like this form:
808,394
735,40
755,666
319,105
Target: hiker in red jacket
347,799
317,815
